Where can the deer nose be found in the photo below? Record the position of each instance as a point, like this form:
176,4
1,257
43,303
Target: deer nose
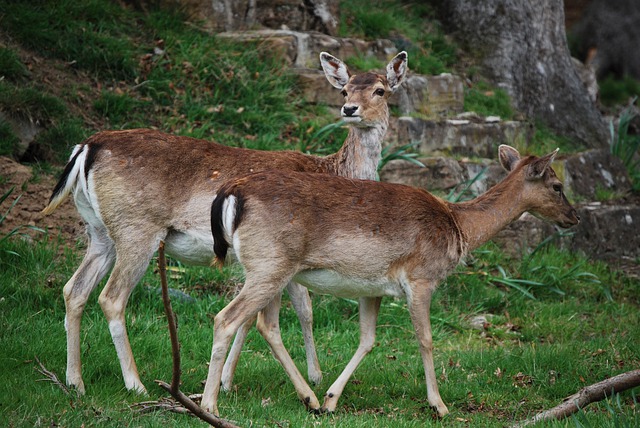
349,110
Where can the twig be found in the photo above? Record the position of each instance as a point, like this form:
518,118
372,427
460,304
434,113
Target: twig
174,388
51,377
589,394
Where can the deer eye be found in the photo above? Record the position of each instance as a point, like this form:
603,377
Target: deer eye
344,93
557,188
379,92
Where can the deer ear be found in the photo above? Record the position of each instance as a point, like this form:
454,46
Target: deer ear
537,168
508,156
336,71
397,71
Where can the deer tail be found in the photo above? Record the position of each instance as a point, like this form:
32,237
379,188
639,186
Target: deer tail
68,179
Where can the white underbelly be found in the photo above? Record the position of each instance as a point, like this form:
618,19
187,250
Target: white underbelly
324,281
193,247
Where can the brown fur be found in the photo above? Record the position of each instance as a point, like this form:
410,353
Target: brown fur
377,239
139,187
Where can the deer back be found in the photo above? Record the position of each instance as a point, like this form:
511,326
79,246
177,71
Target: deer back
359,228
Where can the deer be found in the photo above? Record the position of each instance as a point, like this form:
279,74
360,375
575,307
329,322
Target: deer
136,188
359,239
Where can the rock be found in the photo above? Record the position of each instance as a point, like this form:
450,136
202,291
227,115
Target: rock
439,173
25,129
301,50
459,136
587,172
608,231
238,15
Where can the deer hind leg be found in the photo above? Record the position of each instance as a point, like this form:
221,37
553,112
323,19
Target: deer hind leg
131,263
231,363
369,308
95,265
419,309
269,326
302,304
254,296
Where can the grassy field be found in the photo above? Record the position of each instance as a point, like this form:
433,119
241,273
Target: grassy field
573,323
556,322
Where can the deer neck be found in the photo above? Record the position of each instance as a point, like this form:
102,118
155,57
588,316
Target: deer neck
360,153
480,219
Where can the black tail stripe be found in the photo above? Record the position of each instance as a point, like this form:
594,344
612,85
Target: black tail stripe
93,150
65,176
220,244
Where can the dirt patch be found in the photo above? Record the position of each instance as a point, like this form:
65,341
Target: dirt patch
33,193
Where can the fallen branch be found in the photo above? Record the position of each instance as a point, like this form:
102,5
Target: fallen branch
174,388
51,377
585,396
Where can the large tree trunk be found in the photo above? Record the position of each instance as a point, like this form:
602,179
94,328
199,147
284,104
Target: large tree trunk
522,48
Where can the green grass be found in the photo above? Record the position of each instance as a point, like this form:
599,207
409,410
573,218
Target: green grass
412,27
618,91
488,101
534,351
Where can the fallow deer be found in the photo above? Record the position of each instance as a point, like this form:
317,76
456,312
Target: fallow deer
138,187
353,238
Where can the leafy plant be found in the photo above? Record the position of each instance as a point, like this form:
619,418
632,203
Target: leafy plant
618,91
627,146
458,192
488,101
390,153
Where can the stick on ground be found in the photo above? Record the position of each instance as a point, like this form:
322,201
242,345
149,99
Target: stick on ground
174,388
589,394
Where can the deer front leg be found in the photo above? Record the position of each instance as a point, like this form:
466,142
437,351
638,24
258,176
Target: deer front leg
369,308
302,304
269,326
419,309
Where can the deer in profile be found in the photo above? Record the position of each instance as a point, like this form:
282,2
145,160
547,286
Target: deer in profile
138,187
359,239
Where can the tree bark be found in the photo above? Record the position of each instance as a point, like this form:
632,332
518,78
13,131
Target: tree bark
522,48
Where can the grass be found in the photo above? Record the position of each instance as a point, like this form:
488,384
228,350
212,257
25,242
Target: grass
535,350
615,92
416,30
488,101
192,83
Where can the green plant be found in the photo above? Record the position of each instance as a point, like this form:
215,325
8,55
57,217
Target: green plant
458,192
615,92
85,34
487,101
390,153
54,143
30,103
615,408
413,28
119,108
10,65
8,139
545,140
627,146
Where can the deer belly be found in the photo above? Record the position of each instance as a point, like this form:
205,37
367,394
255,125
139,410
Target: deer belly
193,247
325,281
